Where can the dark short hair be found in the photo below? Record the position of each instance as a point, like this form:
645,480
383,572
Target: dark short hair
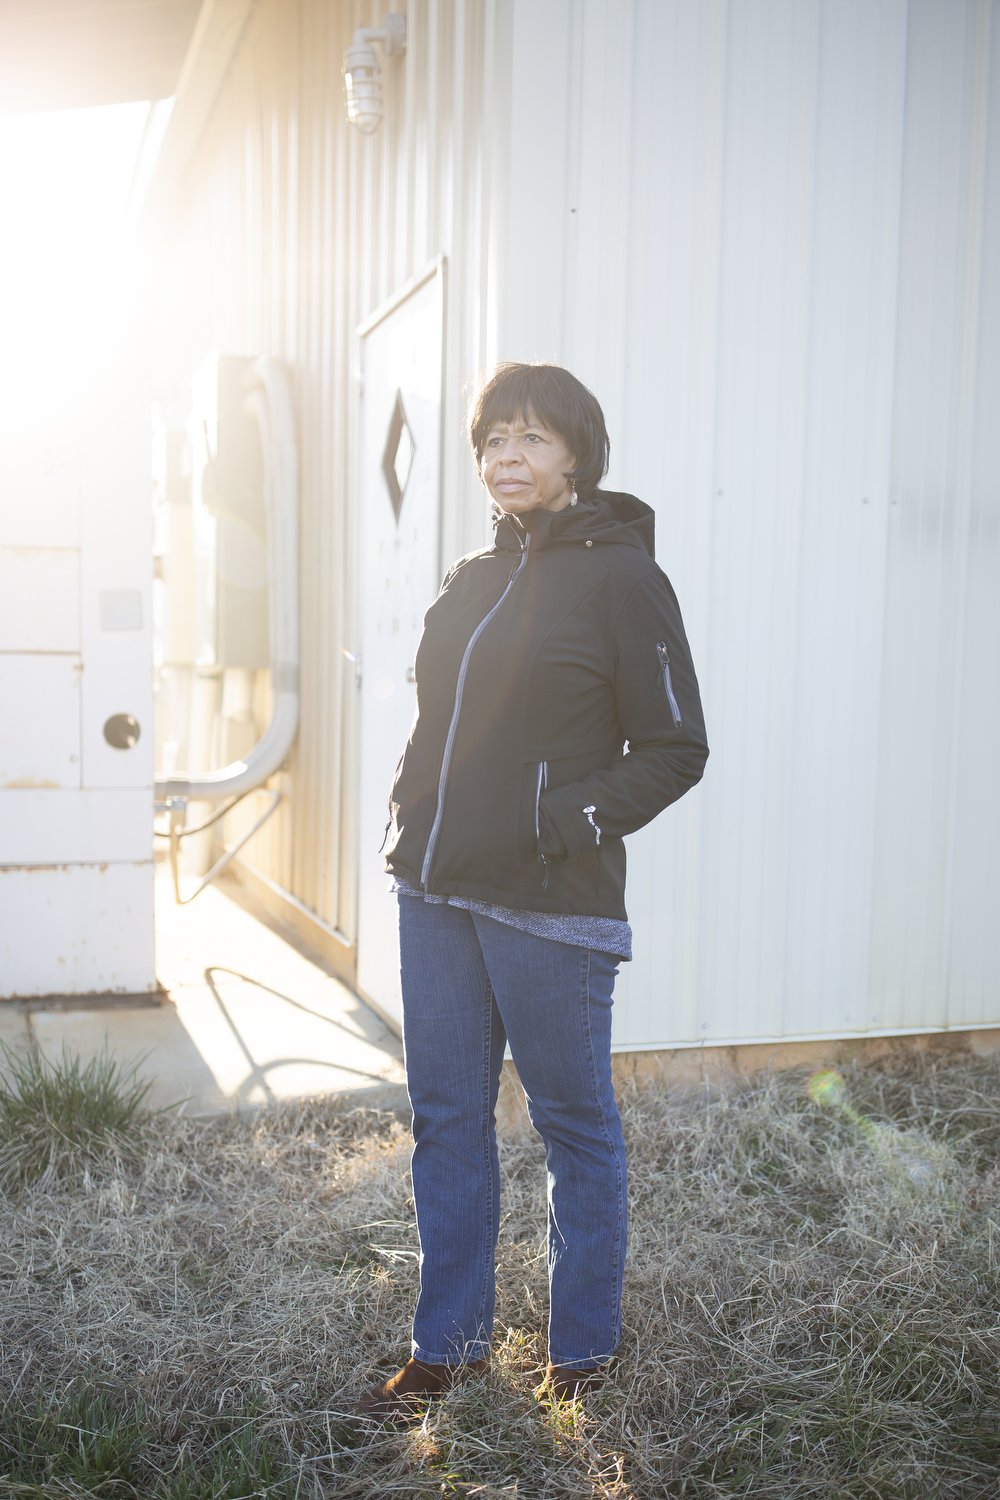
555,398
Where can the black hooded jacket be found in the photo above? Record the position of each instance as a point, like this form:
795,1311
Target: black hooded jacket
557,710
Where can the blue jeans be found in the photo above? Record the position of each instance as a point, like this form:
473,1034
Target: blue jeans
469,985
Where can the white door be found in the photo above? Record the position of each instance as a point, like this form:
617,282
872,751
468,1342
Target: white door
400,498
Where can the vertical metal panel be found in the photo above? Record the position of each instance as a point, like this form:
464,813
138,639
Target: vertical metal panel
673,271
760,230
747,652
295,228
937,861
92,925
768,224
28,574
974,954
840,564
76,848
40,748
70,825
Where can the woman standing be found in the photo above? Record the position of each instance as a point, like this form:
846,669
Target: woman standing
557,711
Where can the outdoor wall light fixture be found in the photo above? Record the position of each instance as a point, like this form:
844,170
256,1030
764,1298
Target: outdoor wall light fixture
361,71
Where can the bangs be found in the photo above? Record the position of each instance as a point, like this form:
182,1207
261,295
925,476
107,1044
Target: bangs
551,396
524,398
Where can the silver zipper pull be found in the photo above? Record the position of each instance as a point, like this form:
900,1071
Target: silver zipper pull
668,685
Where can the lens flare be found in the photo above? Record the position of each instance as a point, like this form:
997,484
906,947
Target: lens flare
64,253
902,1154
827,1087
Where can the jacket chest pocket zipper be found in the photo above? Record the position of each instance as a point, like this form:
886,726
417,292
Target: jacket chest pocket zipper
668,684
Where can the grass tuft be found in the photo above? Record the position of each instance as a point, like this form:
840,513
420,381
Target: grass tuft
95,1442
61,1119
810,1308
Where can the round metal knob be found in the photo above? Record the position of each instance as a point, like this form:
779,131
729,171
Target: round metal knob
121,731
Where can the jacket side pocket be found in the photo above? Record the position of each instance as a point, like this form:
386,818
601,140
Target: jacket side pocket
663,659
534,779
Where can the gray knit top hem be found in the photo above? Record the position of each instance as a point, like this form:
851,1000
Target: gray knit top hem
603,934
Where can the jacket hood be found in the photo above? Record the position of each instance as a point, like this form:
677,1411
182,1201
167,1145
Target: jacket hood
604,516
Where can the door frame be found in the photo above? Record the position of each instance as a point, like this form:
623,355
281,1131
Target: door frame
436,269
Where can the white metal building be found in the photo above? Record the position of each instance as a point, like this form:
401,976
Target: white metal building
765,232
76,732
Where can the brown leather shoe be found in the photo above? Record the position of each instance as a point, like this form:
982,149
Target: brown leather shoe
562,1383
399,1398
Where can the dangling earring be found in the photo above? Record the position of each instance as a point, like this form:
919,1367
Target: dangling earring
573,495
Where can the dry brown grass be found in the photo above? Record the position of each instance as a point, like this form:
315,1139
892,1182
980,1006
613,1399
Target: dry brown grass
811,1309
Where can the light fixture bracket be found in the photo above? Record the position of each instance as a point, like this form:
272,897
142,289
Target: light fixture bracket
362,79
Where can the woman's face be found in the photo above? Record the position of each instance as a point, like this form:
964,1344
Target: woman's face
524,466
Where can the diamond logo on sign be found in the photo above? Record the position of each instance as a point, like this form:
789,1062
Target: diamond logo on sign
397,460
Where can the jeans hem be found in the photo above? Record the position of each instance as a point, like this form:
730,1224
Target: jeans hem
473,1353
587,1362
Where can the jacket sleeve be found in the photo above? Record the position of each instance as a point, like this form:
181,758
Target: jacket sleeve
659,710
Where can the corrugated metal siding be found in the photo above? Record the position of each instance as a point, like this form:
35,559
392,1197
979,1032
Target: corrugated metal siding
771,222
762,231
937,864
295,228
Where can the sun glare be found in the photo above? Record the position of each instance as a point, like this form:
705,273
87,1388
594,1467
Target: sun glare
71,180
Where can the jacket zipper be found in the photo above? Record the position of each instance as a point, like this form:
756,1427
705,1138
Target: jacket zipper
668,686
449,743
542,783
